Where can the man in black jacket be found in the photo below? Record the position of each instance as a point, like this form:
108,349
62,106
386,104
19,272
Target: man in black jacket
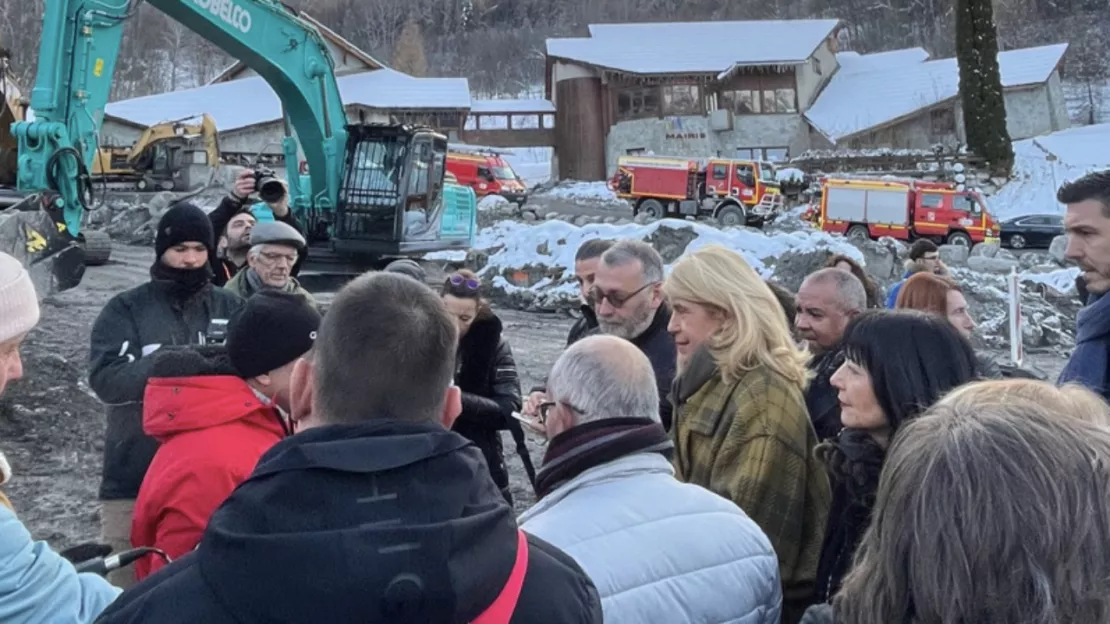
627,296
586,260
233,221
178,308
374,511
827,300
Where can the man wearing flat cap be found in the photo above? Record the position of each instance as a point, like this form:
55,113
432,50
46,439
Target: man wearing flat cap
275,247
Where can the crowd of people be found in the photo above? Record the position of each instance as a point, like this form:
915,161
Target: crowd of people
717,449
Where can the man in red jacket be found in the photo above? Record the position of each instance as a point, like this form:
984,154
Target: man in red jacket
213,427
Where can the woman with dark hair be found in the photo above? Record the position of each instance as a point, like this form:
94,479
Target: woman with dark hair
942,296
988,510
486,374
897,364
844,263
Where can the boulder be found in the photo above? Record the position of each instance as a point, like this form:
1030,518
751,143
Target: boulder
548,216
880,260
1057,248
1031,259
792,267
642,218
991,265
1005,254
671,242
953,255
985,250
528,215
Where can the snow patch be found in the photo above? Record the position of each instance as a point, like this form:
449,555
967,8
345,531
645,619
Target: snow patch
1043,164
589,191
491,202
1062,280
790,175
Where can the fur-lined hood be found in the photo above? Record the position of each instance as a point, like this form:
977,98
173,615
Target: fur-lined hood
5,470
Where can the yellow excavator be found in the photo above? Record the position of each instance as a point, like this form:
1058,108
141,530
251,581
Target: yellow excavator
161,158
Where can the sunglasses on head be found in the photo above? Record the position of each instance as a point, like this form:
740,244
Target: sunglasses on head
460,281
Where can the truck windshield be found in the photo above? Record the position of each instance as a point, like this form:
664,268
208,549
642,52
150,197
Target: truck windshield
767,172
504,173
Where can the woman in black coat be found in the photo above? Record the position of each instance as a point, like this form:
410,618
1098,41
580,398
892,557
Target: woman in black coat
897,364
486,374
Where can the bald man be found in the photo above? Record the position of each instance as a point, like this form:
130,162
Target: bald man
608,498
827,301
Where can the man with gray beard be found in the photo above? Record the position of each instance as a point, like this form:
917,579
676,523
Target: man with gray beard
627,295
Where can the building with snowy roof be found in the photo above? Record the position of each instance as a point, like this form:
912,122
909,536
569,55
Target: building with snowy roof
765,90
902,99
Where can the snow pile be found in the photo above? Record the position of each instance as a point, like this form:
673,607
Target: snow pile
1061,280
583,191
545,251
790,175
491,202
1042,164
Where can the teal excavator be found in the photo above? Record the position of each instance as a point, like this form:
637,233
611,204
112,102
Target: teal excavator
370,192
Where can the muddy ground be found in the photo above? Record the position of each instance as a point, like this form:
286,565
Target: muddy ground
52,427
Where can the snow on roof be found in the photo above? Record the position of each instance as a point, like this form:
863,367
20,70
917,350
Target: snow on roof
511,106
250,101
855,101
694,47
851,62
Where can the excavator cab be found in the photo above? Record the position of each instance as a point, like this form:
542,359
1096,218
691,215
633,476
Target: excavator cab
393,200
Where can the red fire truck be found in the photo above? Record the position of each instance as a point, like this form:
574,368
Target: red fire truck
906,209
735,192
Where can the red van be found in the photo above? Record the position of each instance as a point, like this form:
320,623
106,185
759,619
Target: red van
486,172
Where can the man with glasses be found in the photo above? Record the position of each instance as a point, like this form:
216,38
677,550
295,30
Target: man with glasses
924,256
275,248
627,296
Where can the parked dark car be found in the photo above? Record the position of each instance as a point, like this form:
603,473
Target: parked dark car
1031,231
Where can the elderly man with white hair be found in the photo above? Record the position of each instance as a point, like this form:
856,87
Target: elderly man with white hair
658,550
275,247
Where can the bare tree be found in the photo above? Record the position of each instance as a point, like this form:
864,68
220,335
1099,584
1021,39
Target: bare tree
408,53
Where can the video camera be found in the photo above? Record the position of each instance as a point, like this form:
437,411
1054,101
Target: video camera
270,187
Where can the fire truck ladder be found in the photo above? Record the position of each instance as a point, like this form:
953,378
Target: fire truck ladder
769,204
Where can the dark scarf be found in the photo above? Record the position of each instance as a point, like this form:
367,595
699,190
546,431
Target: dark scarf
181,283
255,284
699,370
586,446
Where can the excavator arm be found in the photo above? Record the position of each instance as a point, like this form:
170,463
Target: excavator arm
77,59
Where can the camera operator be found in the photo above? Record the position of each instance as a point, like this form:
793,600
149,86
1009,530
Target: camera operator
178,308
234,219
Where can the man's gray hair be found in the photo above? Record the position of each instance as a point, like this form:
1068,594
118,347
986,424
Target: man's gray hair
256,250
850,291
627,251
605,377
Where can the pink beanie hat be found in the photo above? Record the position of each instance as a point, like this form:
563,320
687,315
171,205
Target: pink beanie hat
19,306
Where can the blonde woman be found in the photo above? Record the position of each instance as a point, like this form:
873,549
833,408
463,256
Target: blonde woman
741,428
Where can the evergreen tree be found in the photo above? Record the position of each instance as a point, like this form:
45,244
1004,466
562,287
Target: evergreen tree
408,52
984,107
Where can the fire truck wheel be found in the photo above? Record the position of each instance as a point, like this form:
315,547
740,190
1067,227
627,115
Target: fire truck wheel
652,208
858,233
959,238
731,216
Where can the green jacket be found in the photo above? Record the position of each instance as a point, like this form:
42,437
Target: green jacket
751,442
241,286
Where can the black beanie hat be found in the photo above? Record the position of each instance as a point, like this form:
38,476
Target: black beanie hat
184,223
271,330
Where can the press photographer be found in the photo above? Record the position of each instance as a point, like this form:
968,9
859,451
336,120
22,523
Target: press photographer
234,220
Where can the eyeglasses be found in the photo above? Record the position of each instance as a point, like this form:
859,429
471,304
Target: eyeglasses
617,300
460,281
546,407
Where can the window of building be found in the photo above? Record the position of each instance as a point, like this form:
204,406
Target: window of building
756,101
681,100
775,154
635,151
633,103
817,66
741,102
769,154
942,121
